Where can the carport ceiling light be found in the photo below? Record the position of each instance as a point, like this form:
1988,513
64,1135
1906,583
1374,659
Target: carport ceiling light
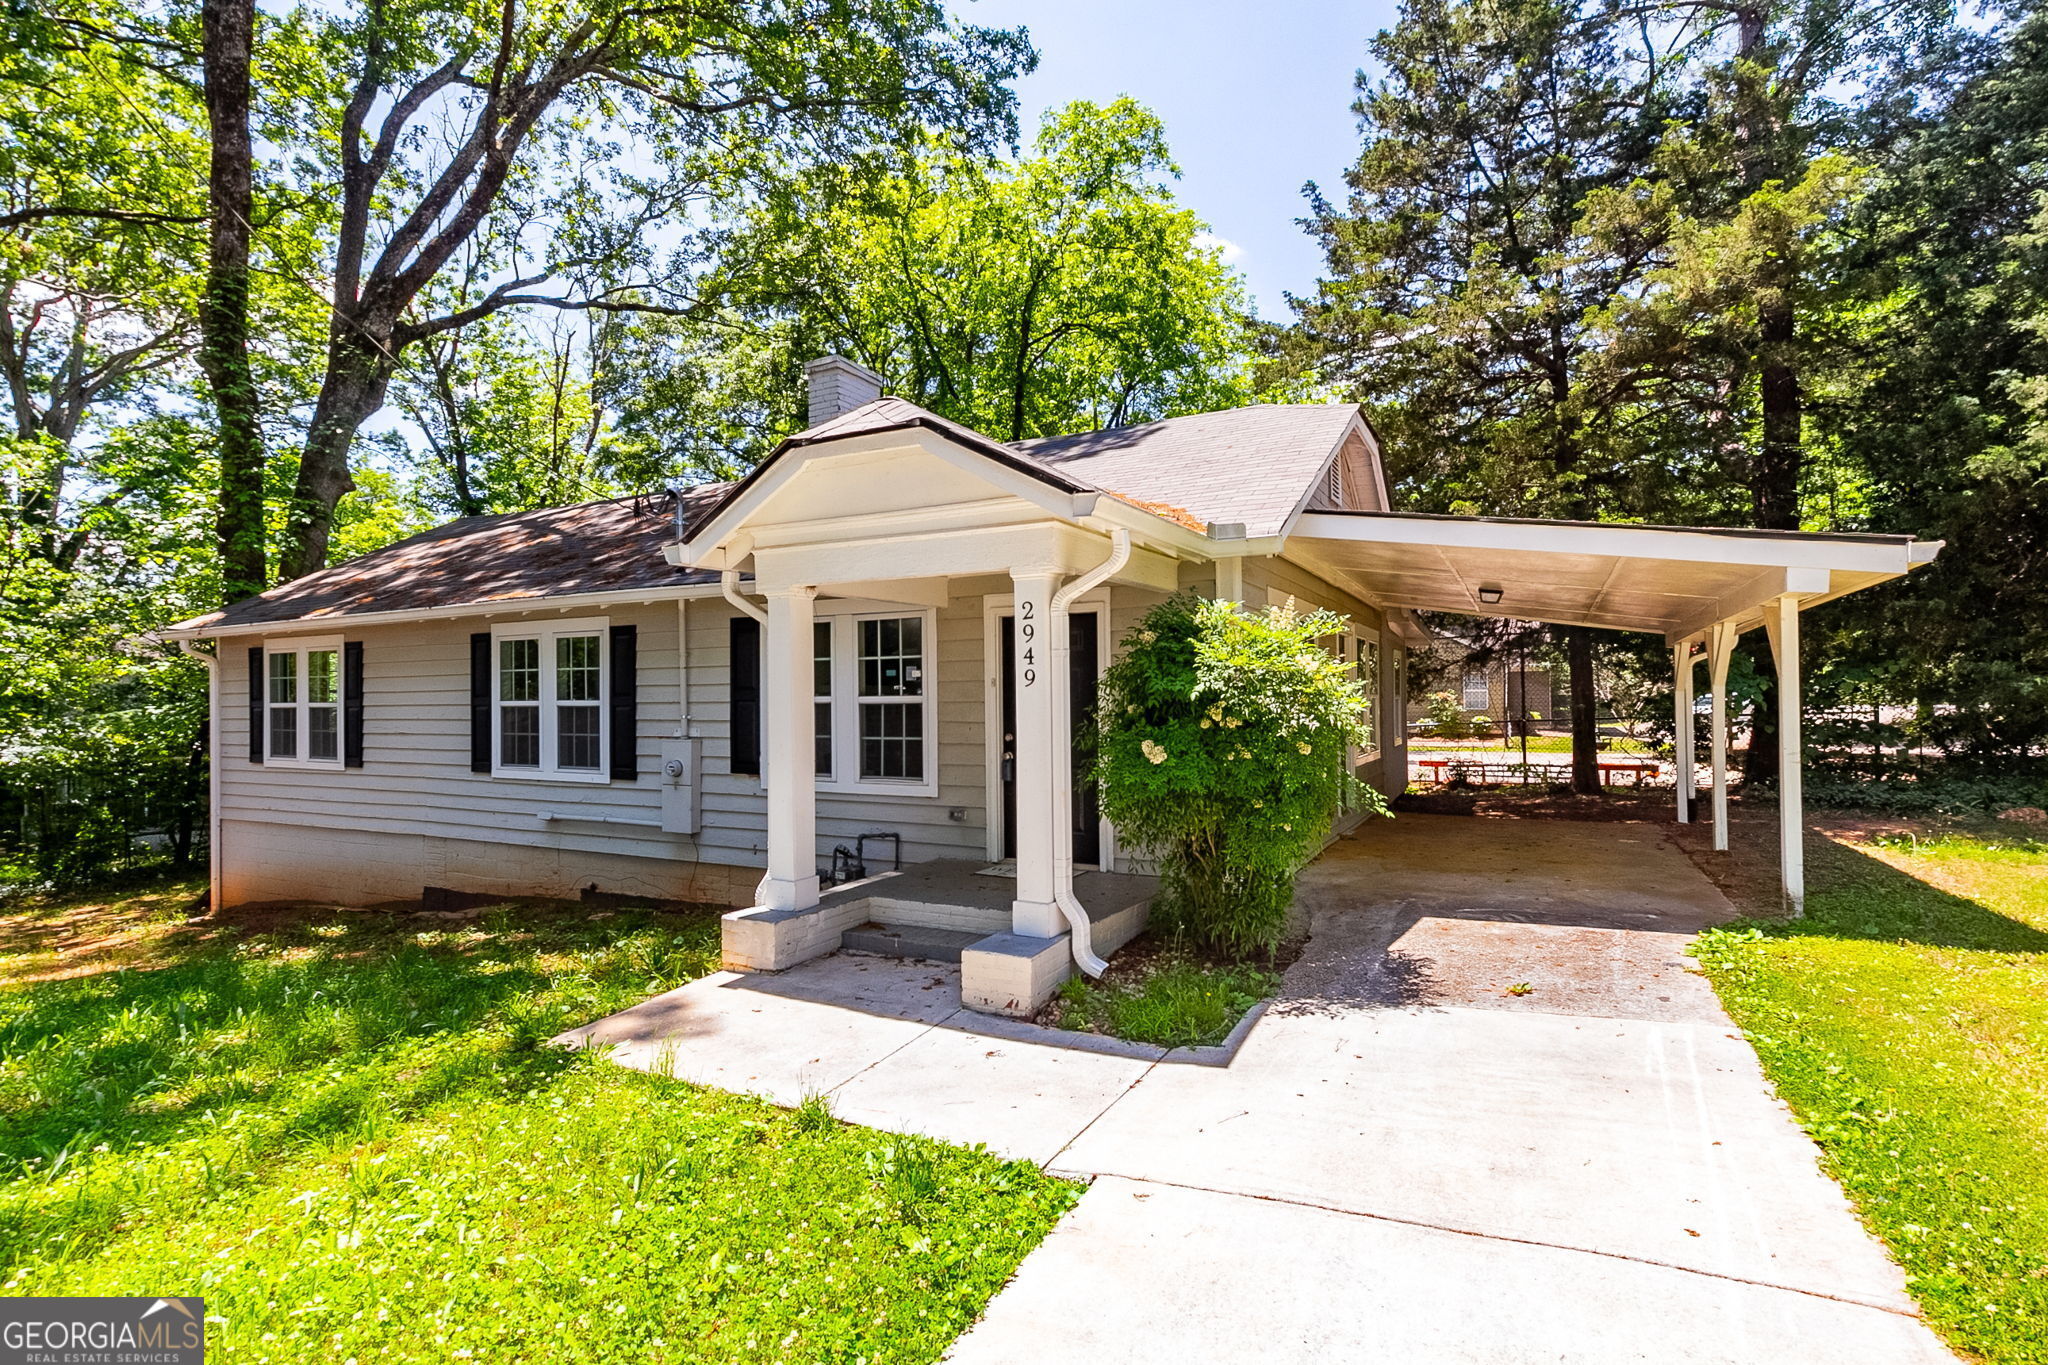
1489,595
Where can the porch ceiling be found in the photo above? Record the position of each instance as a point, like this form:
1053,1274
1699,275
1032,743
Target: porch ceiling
1669,581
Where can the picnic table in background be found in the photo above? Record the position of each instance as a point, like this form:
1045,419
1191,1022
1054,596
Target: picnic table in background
1482,772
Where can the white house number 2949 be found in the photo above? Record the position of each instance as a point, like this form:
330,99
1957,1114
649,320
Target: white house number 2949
1027,632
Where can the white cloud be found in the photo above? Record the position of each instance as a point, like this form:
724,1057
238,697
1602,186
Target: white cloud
1232,252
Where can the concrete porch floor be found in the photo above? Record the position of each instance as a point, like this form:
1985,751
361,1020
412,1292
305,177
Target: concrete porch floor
1401,1162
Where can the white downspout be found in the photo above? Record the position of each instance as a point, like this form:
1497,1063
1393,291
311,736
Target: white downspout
213,849
1063,753
729,583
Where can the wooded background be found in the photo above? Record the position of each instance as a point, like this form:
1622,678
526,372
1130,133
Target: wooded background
282,286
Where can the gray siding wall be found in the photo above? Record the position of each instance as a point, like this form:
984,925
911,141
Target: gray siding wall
416,779
416,790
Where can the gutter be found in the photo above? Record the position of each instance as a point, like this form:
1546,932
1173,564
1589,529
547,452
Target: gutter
729,586
1079,939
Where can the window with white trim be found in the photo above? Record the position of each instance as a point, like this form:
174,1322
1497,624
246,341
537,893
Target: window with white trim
821,693
549,688
1367,652
302,704
890,696
1475,690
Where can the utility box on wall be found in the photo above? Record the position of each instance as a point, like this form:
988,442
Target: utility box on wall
682,793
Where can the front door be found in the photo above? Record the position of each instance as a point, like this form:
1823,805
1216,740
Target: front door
1082,661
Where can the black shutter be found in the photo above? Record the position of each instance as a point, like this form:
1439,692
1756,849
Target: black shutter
352,703
256,704
745,669
480,702
625,703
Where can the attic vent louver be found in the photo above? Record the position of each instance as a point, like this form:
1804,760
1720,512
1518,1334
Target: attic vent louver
839,385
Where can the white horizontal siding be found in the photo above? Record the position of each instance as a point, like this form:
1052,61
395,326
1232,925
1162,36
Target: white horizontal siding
416,779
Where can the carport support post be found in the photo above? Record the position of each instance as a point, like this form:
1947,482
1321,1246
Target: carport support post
1681,731
1783,626
1035,911
1720,644
792,880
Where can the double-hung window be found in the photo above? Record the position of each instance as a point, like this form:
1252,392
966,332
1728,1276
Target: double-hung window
302,703
549,699
890,668
1475,690
870,693
821,693
1367,653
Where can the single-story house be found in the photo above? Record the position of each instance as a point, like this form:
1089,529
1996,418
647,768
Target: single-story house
874,645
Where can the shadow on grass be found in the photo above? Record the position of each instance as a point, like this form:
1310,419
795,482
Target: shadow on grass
317,1032
1857,896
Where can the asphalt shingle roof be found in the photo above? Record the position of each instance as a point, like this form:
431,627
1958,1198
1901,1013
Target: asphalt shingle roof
1253,465
607,546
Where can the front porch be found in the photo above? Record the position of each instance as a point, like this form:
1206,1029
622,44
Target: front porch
945,910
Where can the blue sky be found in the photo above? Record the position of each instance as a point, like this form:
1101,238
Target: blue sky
1256,98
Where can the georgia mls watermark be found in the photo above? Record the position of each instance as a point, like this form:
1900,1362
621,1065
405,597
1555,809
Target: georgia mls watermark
102,1331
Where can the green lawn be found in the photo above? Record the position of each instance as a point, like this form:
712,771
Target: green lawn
1906,1022
343,1130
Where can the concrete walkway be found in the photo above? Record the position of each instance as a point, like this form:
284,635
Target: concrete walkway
1401,1162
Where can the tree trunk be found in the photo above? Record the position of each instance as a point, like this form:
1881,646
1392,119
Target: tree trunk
358,373
1585,726
1760,760
227,29
1774,484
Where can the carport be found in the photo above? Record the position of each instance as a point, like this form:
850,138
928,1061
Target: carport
1699,588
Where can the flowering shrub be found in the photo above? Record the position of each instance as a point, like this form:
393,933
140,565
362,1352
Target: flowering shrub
1223,752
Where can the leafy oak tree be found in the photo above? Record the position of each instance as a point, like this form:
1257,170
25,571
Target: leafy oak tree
560,144
1060,291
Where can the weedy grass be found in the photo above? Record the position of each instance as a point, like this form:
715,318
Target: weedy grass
346,1132
1169,998
1905,1019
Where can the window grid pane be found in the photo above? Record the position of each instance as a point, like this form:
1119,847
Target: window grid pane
519,671
323,677
576,673
519,736
323,734
891,657
284,678
284,732
892,740
576,736
823,712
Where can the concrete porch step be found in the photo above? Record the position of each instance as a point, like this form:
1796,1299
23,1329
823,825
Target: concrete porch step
909,940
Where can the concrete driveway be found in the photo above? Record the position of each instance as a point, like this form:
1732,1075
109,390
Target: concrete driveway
1402,1162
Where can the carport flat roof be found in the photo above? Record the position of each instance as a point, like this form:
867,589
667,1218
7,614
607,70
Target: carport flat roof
1674,581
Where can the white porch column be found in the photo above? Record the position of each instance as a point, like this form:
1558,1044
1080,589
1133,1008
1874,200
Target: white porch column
1230,579
1720,644
1681,731
791,761
1035,911
1783,625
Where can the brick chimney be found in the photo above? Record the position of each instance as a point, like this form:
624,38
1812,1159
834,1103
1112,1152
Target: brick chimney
839,385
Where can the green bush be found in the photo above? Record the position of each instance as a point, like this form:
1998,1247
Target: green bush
1224,747
1447,717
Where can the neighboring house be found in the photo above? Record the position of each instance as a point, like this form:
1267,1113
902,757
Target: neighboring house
1491,684
888,628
